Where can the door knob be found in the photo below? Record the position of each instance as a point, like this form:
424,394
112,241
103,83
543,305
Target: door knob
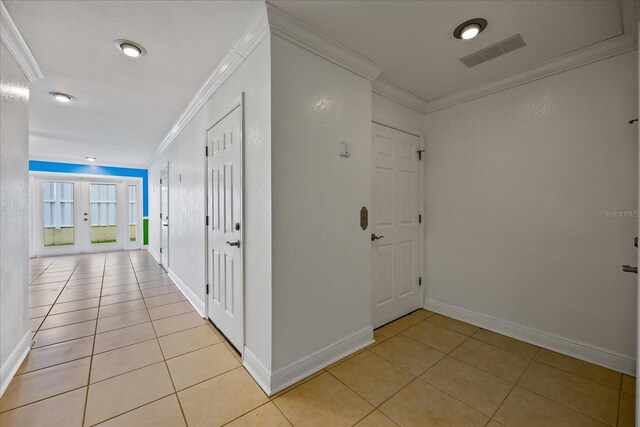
374,237
236,243
629,269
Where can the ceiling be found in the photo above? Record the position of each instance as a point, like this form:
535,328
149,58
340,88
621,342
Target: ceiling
123,107
412,41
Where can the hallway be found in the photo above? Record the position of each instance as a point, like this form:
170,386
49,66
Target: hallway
117,343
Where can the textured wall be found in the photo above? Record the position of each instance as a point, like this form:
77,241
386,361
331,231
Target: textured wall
14,151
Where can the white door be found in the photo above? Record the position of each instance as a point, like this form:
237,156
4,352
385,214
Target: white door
395,224
164,217
224,232
102,203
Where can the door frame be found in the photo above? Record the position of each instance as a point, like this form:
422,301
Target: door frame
400,127
160,247
35,212
236,103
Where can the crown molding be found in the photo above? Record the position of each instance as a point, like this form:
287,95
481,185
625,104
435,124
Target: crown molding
626,42
230,62
13,40
293,30
399,95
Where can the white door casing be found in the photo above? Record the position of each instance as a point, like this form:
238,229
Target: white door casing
395,215
164,217
225,305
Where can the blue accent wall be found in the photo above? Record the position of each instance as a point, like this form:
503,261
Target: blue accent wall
40,166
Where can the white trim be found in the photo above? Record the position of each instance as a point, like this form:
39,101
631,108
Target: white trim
13,362
290,28
598,52
84,162
187,292
273,382
230,62
599,356
399,95
17,46
154,254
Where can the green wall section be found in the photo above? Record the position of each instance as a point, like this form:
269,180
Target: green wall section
145,231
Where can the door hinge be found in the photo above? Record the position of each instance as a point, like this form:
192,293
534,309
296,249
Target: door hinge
160,250
419,281
160,215
206,220
419,218
160,180
420,154
206,151
207,288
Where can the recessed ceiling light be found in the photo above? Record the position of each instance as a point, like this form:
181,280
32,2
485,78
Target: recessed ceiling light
469,29
61,97
129,48
90,158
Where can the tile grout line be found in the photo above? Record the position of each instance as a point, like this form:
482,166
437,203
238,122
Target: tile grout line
86,399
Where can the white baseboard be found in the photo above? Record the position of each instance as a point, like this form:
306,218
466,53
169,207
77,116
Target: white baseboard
12,364
273,382
599,356
188,293
154,254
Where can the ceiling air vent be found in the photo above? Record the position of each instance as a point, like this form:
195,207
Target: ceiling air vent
493,51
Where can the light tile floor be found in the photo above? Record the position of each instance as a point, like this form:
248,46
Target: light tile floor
116,344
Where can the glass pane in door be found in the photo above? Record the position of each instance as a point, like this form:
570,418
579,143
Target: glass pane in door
133,213
57,218
103,213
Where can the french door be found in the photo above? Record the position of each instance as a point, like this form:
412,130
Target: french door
83,215
396,224
224,231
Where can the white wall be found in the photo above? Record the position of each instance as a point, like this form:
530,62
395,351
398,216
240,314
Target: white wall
516,185
321,256
14,140
388,112
187,199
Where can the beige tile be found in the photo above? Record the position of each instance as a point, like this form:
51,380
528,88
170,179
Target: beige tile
506,343
383,333
200,365
122,307
580,368
164,299
123,337
160,290
75,294
36,385
629,384
494,423
627,412
113,290
115,362
177,323
376,419
169,310
408,354
323,401
420,404
64,333
114,299
501,363
402,323
56,354
267,415
39,311
592,399
476,388
372,377
453,324
183,342
165,412
523,408
56,320
435,336
120,394
122,320
75,305
63,410
421,314
221,399
34,324
291,387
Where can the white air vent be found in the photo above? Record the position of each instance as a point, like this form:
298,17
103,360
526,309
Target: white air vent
493,51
